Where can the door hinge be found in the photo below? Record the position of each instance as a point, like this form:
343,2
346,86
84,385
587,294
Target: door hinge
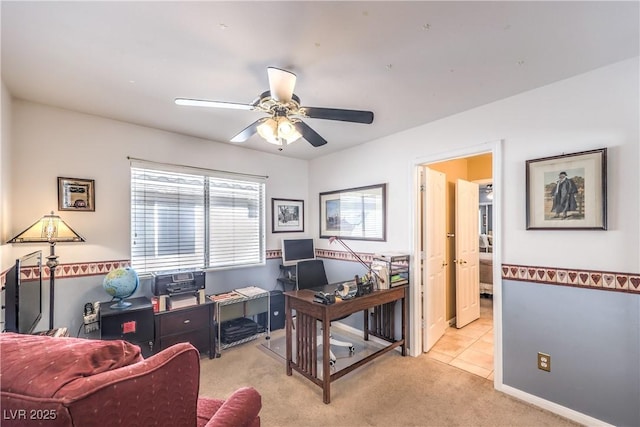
421,187
424,324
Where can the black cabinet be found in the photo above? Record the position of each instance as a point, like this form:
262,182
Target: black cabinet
192,324
133,324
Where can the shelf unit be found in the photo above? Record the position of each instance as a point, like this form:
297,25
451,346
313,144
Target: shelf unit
287,277
232,306
396,266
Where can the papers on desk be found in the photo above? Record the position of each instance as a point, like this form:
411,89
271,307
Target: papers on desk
251,291
226,296
383,273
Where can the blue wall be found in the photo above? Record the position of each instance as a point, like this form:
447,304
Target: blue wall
593,339
73,293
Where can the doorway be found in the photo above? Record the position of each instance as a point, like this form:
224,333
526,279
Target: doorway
472,347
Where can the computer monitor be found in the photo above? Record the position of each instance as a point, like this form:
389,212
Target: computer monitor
295,250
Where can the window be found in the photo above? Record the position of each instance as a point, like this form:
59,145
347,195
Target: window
186,218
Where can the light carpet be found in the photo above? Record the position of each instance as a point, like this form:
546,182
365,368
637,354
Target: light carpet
390,391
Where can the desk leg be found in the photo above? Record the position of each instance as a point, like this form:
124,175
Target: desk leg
326,367
405,308
288,326
365,314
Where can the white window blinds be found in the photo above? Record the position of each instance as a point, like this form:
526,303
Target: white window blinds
183,218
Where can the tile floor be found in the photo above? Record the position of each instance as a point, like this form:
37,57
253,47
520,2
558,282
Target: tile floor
469,348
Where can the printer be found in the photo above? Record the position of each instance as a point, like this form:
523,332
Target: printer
176,283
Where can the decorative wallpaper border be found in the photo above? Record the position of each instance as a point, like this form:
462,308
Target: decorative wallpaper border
592,279
70,270
325,253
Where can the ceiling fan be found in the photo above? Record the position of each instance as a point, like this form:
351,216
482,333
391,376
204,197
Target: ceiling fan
284,124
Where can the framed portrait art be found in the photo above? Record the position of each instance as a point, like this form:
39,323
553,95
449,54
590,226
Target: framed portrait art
76,194
287,215
568,191
356,213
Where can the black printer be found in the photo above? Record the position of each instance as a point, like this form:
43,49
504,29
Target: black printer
176,283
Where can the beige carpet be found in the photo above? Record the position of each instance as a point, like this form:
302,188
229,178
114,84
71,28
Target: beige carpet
391,391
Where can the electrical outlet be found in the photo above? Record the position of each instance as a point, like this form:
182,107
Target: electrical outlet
544,362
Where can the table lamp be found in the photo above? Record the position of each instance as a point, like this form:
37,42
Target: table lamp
52,229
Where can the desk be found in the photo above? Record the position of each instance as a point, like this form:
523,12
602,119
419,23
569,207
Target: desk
309,312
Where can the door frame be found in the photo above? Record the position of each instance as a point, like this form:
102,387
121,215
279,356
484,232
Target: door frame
415,299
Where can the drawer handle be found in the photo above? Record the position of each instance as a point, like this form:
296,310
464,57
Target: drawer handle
186,321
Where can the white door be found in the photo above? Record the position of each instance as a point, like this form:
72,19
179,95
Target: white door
467,259
434,246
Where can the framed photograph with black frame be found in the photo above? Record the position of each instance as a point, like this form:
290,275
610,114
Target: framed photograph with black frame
568,192
356,214
76,194
287,215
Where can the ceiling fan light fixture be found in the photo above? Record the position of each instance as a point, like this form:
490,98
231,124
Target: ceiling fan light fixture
278,131
287,131
269,131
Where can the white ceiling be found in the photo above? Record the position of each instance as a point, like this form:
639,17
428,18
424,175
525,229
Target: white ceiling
409,62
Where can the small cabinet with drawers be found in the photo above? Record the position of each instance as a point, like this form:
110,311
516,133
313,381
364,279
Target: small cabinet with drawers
133,323
192,324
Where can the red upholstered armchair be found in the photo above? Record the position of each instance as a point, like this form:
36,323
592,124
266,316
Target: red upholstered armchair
78,382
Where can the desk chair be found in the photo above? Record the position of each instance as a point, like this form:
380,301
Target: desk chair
311,274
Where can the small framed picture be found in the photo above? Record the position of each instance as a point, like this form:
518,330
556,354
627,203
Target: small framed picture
568,191
76,194
287,215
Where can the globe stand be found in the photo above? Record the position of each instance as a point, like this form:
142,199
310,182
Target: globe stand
121,305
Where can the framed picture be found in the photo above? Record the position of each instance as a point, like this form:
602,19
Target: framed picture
76,194
356,213
287,215
568,191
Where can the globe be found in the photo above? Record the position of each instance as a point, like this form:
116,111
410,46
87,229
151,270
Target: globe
121,283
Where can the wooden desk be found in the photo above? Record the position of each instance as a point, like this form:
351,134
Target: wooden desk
308,313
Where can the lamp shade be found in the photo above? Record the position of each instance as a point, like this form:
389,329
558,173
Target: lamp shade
278,131
49,228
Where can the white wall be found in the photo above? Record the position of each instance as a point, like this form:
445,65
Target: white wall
5,174
51,142
594,110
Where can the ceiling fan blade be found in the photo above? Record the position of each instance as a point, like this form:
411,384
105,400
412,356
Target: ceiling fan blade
212,104
356,116
281,84
309,134
249,131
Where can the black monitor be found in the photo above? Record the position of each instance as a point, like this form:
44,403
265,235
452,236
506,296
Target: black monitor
23,294
296,250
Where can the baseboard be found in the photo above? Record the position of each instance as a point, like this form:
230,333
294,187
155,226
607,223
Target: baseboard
563,411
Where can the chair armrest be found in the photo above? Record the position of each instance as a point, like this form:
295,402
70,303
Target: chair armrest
239,410
141,393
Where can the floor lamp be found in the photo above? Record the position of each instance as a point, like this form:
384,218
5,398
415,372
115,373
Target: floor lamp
52,229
